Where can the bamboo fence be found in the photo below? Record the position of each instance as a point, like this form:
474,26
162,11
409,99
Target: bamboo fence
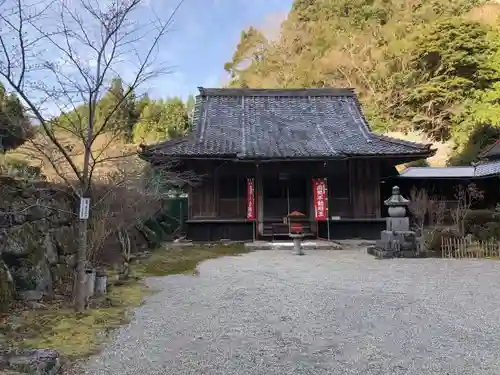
465,248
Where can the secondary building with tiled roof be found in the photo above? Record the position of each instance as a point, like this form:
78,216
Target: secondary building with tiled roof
263,152
444,182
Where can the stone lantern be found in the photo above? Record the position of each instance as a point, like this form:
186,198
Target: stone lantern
397,240
397,203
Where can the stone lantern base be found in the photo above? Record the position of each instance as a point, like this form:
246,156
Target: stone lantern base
396,244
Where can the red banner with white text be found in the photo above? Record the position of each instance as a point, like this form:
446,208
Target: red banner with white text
250,199
320,193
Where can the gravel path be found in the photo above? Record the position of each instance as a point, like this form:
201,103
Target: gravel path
337,312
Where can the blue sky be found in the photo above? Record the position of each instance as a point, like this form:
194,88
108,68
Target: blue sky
203,37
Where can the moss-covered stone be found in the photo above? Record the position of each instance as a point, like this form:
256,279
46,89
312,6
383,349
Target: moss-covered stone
6,286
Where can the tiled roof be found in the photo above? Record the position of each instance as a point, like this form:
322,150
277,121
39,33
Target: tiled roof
483,169
438,172
487,168
279,123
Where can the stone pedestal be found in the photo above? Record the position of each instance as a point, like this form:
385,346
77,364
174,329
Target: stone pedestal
398,223
297,243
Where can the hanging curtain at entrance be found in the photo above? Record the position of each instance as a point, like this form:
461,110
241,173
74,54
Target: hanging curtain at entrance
320,194
250,199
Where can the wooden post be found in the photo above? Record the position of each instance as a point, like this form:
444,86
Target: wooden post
327,209
259,200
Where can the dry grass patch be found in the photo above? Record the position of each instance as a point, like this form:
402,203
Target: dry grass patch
170,261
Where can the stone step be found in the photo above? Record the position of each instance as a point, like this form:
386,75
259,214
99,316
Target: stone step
288,245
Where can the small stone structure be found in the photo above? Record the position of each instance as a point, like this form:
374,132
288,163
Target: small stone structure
397,240
35,361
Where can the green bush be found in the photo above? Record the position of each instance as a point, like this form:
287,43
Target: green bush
483,224
433,238
16,167
486,231
479,217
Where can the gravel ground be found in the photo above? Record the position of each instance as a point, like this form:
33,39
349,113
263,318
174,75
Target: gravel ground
337,312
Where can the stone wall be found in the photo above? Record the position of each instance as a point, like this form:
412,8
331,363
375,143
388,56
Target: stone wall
37,239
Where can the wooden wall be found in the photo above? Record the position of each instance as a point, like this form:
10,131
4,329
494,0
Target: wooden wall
222,194
339,202
353,186
202,200
202,196
364,183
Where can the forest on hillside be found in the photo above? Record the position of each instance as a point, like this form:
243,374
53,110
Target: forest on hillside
122,118
431,66
135,120
426,66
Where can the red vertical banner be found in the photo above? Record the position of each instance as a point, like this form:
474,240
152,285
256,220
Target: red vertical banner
320,194
250,199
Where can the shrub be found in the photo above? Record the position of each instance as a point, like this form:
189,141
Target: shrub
16,167
483,224
434,237
478,217
486,231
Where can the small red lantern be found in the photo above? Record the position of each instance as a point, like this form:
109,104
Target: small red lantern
295,227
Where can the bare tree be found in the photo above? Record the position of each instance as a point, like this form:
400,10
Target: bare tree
419,208
465,197
436,212
428,214
127,195
58,55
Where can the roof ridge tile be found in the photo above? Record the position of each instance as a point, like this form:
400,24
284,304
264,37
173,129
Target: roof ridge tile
277,92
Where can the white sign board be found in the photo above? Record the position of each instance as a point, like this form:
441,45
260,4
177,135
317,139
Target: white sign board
84,208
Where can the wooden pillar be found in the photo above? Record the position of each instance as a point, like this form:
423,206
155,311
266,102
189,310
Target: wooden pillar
310,197
260,199
190,202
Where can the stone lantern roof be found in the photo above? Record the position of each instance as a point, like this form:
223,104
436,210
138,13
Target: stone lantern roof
396,199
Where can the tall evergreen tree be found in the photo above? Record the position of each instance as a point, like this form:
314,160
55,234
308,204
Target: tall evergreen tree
114,106
14,125
161,120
